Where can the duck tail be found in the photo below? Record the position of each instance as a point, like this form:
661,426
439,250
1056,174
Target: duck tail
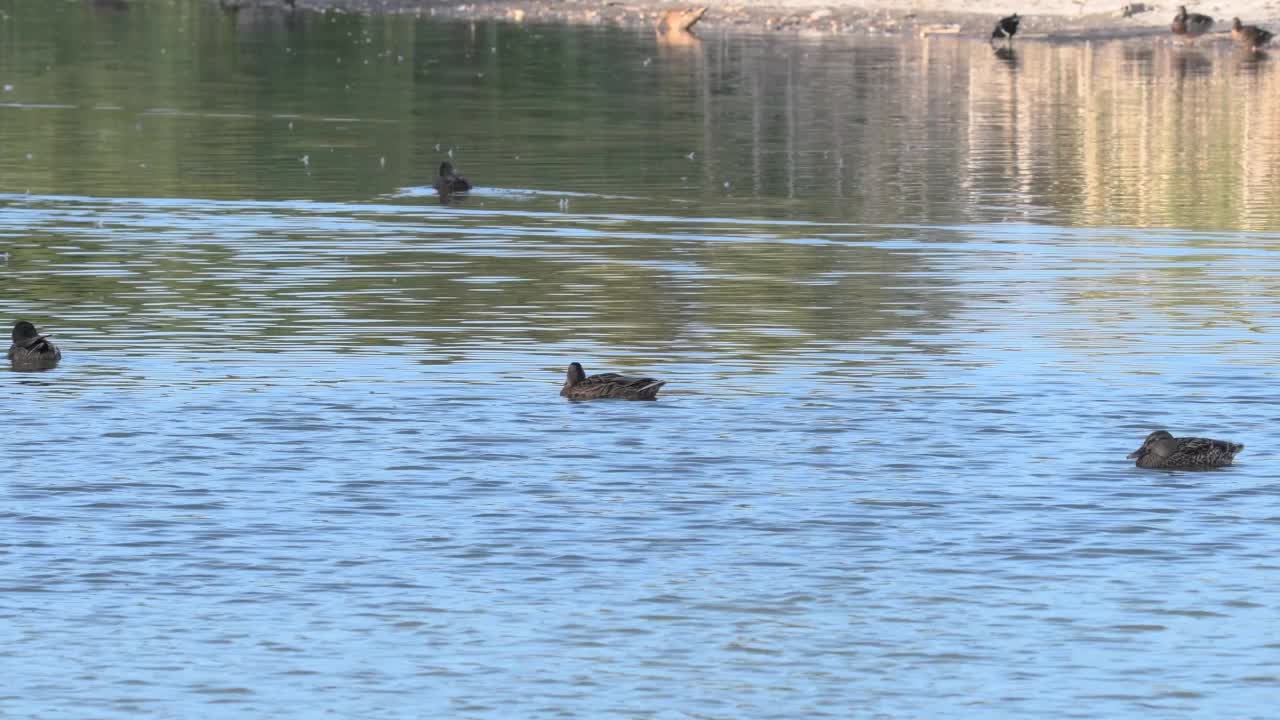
651,390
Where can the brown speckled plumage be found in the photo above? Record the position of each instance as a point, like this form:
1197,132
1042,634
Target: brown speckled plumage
1250,36
31,350
578,386
1163,451
1191,25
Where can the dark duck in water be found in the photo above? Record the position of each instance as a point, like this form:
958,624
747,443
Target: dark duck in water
578,386
1250,36
1190,25
448,183
1162,451
31,350
1006,29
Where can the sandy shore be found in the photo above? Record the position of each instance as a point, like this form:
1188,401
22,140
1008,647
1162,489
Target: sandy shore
1060,20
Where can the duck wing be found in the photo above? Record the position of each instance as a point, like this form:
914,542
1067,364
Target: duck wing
457,183
34,354
39,344
1199,23
613,385
1202,452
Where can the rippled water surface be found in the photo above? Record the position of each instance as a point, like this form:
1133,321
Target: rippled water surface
305,456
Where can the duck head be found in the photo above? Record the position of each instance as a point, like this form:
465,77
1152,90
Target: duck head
1236,24
446,169
1159,442
575,375
24,331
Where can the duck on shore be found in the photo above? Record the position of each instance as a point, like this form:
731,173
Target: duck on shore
31,350
1190,25
1162,451
1250,36
448,183
1006,28
579,386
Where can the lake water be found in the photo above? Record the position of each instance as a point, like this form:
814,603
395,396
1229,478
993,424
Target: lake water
305,456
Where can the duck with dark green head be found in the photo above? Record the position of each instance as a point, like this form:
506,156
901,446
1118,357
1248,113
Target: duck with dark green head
1162,451
31,350
579,386
448,183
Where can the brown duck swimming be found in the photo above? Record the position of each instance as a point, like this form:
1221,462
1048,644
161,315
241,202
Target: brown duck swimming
448,183
31,350
1250,36
1190,25
1006,29
1165,452
578,386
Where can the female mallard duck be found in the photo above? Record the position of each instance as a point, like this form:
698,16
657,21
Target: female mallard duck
1165,452
31,350
1250,36
1006,29
449,183
1191,25
577,386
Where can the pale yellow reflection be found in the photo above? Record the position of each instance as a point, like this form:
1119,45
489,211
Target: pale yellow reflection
1135,132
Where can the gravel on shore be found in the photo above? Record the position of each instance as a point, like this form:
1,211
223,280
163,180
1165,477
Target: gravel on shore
1045,20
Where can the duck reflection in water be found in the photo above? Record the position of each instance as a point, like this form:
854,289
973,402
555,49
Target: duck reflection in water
1251,61
235,6
255,21
1191,62
1007,56
1139,55
110,6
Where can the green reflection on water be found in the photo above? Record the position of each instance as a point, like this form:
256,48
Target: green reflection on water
184,101
181,99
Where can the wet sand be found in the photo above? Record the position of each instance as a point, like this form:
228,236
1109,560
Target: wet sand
1055,20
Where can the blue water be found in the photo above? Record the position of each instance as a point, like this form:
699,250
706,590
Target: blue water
305,456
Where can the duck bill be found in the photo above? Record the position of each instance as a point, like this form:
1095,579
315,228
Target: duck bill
1135,454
